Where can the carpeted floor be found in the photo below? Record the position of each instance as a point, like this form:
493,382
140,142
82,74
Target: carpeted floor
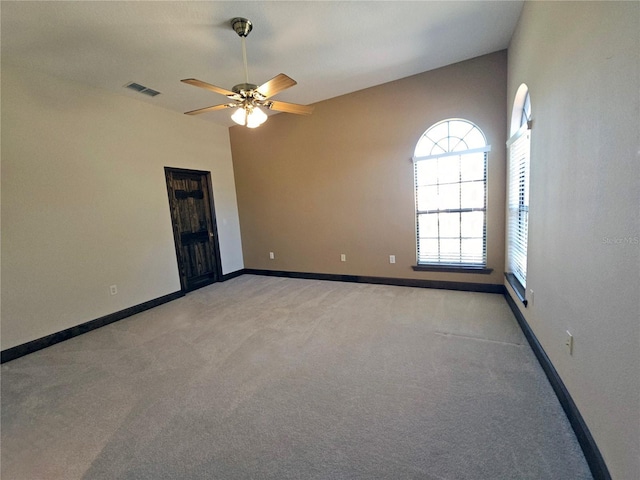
275,378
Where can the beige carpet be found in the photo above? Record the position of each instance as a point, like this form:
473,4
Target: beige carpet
275,378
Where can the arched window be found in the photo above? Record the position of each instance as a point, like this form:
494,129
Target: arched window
450,172
518,192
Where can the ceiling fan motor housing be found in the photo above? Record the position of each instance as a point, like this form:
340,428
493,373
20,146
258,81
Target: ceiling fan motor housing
247,87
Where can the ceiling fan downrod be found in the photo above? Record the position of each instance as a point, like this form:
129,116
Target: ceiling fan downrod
243,26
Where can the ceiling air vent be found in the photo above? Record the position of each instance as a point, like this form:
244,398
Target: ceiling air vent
142,89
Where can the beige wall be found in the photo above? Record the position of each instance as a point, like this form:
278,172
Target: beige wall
84,201
340,180
580,61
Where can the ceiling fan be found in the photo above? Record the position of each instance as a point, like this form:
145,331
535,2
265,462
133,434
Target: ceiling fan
246,97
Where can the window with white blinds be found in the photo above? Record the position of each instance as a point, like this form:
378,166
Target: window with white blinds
518,206
450,172
518,192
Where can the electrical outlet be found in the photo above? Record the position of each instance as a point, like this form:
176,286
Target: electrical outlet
271,255
569,342
113,289
343,257
392,259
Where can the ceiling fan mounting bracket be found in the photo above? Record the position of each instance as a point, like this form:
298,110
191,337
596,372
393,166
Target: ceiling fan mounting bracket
242,26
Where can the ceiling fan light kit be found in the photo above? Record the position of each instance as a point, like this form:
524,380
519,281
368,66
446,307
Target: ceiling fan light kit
251,117
247,97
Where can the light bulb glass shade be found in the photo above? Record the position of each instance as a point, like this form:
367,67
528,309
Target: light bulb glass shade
256,118
239,116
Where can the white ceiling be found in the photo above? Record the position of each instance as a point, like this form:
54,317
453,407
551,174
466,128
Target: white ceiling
330,47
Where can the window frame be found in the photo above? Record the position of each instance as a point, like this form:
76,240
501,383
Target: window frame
518,170
465,265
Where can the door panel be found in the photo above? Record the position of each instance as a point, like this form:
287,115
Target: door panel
194,228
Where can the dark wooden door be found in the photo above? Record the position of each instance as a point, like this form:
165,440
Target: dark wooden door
194,227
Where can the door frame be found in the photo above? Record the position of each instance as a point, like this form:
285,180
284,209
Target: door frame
176,234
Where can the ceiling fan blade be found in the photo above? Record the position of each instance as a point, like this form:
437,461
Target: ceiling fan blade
277,84
208,86
290,107
209,109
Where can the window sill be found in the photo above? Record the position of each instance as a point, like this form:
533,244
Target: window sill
517,287
452,269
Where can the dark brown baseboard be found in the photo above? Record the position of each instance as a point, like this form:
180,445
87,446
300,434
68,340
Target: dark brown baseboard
229,276
52,339
589,447
400,282
44,342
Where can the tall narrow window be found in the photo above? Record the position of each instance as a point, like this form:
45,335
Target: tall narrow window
450,163
518,192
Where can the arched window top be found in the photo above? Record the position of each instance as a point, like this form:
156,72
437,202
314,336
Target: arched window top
447,136
521,112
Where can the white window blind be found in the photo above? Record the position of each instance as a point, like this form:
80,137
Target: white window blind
518,205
